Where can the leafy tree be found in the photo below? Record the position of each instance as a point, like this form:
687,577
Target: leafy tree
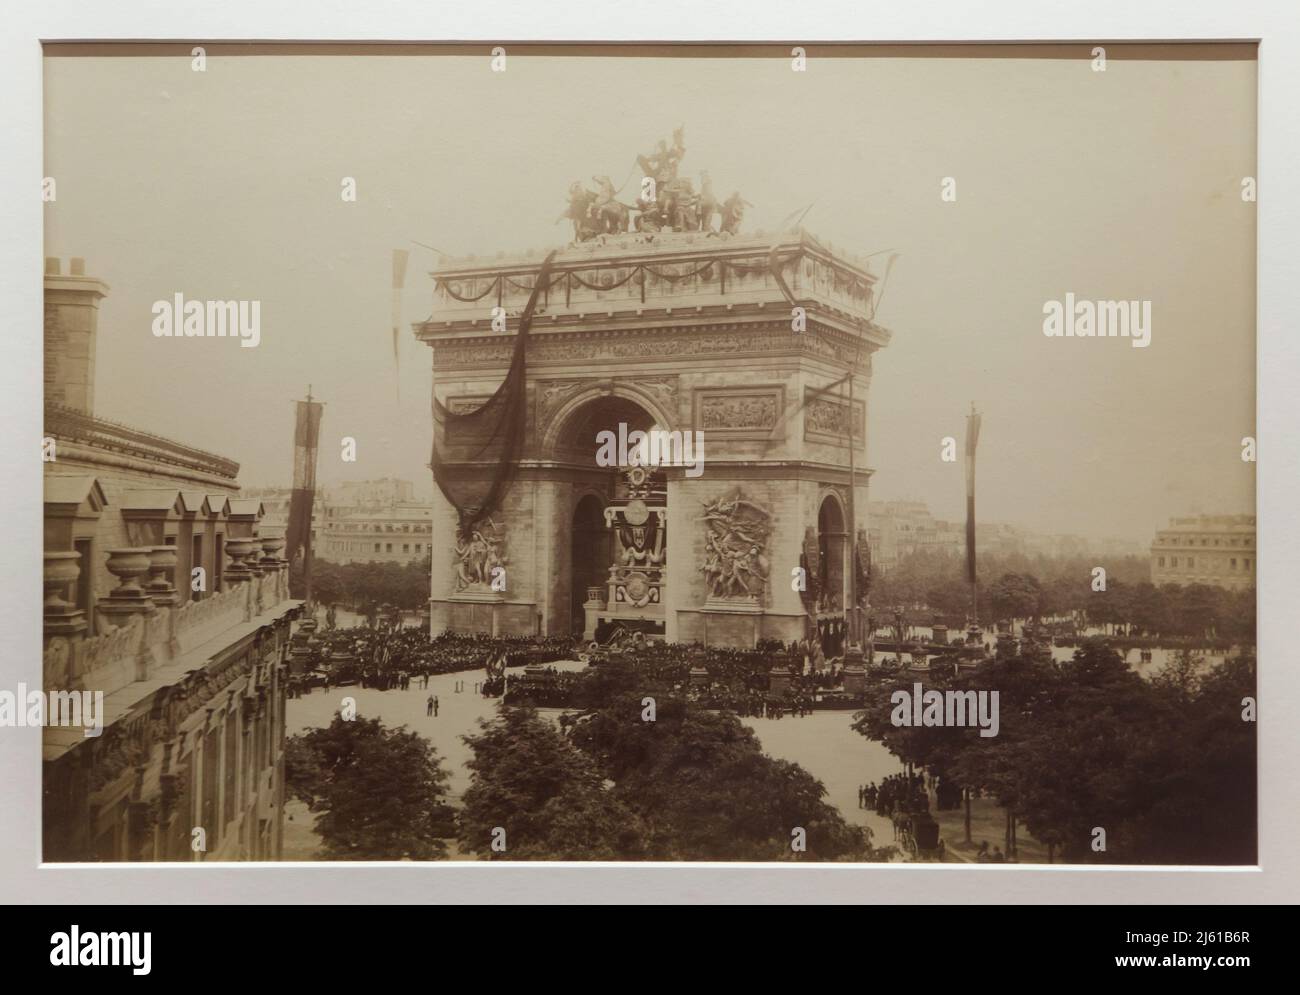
548,797
704,790
1166,767
1017,596
380,790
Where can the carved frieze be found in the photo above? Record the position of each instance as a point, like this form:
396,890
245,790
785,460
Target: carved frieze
739,412
551,394
675,343
826,419
464,405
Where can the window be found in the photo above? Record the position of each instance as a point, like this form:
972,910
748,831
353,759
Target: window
1174,562
1191,562
406,547
1232,563
1160,562
389,549
376,547
1247,564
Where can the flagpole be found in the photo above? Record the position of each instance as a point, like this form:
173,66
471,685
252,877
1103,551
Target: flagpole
306,565
972,441
853,531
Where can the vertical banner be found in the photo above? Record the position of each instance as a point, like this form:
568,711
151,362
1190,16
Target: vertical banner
972,440
306,435
399,281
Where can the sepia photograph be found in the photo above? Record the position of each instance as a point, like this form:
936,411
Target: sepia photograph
649,453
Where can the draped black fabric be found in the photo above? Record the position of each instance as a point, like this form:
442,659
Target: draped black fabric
476,453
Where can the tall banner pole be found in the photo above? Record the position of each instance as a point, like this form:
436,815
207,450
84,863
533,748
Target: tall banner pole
853,519
399,281
972,441
306,437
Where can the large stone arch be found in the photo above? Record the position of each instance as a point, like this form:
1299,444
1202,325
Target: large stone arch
560,421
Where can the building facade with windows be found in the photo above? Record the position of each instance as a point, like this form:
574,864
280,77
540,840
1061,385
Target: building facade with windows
401,533
165,594
1218,550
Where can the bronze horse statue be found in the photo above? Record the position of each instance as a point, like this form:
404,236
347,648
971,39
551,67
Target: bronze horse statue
733,213
609,214
579,212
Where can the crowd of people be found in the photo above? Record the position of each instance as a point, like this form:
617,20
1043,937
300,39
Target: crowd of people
895,793
389,655
398,657
739,680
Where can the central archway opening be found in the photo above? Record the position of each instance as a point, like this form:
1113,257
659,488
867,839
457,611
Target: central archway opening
614,574
591,546
832,541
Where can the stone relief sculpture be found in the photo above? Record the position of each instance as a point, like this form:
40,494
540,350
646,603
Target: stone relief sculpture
735,548
480,558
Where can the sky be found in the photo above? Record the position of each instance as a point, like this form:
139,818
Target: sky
1122,184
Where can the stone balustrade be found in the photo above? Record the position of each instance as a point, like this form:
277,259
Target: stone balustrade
146,625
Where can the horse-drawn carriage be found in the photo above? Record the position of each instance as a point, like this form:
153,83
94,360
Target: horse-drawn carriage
620,640
919,836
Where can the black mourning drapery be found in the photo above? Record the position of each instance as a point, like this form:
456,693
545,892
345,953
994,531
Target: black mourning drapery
476,453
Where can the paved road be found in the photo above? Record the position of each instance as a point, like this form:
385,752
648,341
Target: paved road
826,747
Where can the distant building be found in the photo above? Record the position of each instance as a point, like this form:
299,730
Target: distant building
1208,549
369,521
397,534
275,503
372,495
166,594
897,529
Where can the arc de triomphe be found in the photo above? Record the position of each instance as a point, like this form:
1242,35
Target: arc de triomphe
736,337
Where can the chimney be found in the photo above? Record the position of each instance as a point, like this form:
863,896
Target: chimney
71,321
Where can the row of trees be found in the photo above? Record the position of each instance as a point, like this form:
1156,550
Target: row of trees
1164,767
1018,587
405,585
938,580
1195,612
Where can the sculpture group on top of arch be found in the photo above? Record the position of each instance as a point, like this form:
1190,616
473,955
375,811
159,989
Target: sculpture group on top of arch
665,201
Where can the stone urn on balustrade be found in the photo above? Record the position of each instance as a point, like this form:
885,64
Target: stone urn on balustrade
62,618
238,550
129,598
253,561
162,569
272,541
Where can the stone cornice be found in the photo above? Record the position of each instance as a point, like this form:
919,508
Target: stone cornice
70,425
783,470
630,249
674,340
